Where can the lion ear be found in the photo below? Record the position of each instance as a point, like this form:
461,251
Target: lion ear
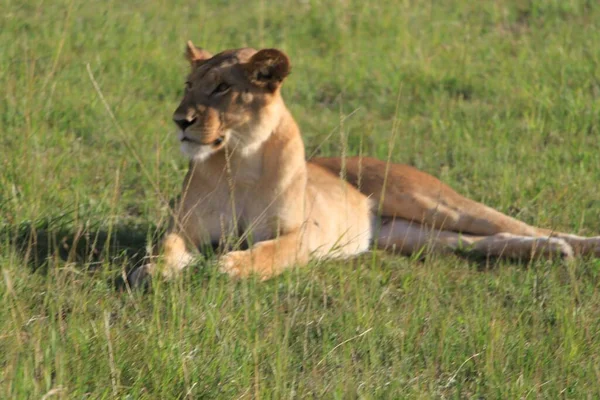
268,68
196,55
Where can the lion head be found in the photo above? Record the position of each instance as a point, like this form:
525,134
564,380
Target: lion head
232,100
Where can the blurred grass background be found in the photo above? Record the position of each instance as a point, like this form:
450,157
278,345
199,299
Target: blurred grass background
500,99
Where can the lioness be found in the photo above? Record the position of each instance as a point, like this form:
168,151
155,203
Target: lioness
248,176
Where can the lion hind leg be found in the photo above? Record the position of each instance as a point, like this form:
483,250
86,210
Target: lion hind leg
410,237
475,218
453,212
582,245
402,191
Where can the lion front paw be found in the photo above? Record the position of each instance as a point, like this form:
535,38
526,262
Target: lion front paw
242,264
236,264
141,275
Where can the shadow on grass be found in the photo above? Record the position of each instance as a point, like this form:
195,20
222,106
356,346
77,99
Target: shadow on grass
88,247
44,243
481,262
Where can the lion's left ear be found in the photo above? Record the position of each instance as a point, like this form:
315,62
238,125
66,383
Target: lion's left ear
196,55
268,68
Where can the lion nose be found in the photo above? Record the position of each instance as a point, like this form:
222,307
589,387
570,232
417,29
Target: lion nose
184,122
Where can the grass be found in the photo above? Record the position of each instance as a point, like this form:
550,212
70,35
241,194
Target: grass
499,99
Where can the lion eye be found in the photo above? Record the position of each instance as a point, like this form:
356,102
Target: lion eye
222,88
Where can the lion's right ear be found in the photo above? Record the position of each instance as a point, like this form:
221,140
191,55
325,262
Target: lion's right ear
196,55
268,68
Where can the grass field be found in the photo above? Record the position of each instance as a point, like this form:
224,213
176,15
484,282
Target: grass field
500,99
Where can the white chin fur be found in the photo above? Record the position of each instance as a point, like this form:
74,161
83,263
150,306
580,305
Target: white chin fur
196,152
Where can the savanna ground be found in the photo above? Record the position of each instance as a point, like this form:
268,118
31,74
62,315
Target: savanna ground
498,98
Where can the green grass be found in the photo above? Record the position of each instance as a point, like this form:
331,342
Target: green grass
499,99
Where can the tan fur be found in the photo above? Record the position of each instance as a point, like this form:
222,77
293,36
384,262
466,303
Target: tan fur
404,192
248,178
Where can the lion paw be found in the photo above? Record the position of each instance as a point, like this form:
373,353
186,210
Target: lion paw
141,275
561,247
242,264
236,264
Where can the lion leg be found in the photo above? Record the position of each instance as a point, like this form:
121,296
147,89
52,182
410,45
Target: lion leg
175,258
401,191
459,214
582,245
468,216
409,237
175,254
266,259
452,212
